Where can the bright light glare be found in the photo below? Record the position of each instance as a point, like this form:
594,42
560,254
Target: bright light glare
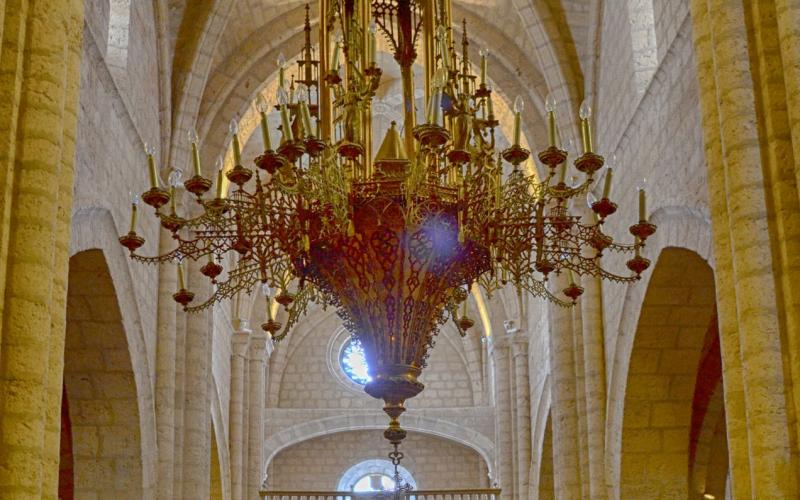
374,482
354,364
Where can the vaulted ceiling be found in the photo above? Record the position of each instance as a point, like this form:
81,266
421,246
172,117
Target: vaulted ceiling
223,52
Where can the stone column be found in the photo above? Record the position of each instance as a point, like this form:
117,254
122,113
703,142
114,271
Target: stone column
566,456
754,211
594,383
165,371
197,401
257,389
239,347
180,386
522,411
500,353
40,47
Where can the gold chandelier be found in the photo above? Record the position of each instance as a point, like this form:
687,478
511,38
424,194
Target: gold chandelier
393,240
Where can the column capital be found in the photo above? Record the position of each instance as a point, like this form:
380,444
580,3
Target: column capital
258,344
240,342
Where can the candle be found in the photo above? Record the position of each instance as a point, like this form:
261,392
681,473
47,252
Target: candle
373,42
219,177
607,185
172,203
286,126
151,164
519,105
305,114
181,280
550,106
281,70
335,58
484,54
586,128
642,202
441,35
134,213
489,105
262,106
193,140
571,277
237,153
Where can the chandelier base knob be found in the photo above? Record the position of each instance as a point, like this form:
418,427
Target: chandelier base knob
643,230
183,297
172,222
465,323
553,156
483,91
516,154
589,163
604,207
458,156
431,136
638,264
291,150
211,270
239,175
573,291
350,150
270,161
197,185
131,241
314,146
156,197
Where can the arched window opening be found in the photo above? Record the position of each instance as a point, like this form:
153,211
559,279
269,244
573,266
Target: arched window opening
373,476
643,40
119,20
354,362
374,482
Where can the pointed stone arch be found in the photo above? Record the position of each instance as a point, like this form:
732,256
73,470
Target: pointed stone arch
102,400
668,351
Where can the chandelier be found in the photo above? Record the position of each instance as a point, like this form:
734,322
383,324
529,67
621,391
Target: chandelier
393,237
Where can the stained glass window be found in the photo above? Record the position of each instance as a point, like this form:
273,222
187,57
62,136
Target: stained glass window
354,363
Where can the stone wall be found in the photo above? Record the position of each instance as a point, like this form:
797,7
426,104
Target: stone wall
318,464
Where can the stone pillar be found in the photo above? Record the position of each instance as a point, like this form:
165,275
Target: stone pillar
754,212
165,371
566,456
40,58
522,411
594,383
504,439
180,386
257,389
239,347
197,401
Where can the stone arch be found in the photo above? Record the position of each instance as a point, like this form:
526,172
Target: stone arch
546,477
216,470
93,229
220,458
66,462
99,380
679,227
657,421
377,421
641,17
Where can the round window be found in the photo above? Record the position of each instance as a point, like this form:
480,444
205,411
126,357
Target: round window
354,363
